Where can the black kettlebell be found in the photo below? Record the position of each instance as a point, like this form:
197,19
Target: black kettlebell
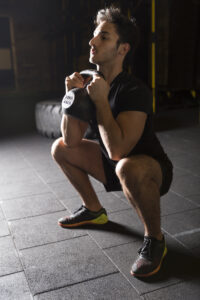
77,102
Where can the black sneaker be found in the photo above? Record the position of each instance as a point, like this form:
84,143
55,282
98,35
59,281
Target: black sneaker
84,216
150,257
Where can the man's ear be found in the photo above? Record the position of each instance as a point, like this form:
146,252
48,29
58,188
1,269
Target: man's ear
124,48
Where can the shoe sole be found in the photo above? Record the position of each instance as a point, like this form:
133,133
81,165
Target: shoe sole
101,220
154,271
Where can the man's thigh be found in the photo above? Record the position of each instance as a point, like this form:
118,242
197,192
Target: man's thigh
86,156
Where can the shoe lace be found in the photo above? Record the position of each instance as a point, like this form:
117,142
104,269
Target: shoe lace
79,209
146,249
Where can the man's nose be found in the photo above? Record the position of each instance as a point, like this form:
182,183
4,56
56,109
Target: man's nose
92,41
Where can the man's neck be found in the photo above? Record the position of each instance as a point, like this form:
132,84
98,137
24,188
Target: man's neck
109,73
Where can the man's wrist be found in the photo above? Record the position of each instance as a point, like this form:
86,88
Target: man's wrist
102,103
103,112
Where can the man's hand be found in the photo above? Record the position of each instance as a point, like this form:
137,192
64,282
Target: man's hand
98,90
74,81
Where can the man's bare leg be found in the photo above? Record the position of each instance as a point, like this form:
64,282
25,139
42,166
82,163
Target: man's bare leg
141,178
77,163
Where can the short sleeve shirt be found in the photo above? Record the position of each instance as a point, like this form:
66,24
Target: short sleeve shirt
128,93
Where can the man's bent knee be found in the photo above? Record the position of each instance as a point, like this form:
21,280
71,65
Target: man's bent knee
129,170
122,168
56,147
137,170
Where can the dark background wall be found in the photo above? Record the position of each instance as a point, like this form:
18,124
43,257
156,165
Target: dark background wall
43,41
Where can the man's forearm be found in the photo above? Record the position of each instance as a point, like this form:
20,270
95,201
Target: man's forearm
111,133
72,130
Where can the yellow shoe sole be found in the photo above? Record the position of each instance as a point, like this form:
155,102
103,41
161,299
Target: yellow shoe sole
101,220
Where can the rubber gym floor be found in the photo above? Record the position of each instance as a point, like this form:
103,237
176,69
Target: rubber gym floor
40,260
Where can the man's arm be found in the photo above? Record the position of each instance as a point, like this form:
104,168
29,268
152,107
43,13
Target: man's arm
73,129
121,135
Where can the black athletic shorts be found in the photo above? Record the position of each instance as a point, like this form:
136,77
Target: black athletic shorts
113,184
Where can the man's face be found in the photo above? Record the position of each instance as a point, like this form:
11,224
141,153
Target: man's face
103,45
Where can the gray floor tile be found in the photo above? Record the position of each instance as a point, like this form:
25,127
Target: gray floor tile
7,155
1,214
24,175
97,185
16,162
108,200
41,230
185,139
41,162
121,195
29,140
187,161
172,152
22,189
177,172
190,133
64,263
111,202
181,222
177,266
181,291
172,203
190,238
184,144
37,151
123,227
187,185
7,147
51,174
9,262
33,144
14,287
63,189
109,287
195,198
4,228
31,206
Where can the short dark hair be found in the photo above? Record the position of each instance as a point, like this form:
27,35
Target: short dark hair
126,28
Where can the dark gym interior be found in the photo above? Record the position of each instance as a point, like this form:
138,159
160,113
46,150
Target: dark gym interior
41,42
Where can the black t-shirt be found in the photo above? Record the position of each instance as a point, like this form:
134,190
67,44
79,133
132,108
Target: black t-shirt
128,93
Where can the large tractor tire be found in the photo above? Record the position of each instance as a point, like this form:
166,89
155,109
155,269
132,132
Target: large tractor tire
48,116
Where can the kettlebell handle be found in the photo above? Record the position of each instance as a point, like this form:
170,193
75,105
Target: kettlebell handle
86,73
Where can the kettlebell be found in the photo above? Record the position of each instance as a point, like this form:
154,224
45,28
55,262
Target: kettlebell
77,102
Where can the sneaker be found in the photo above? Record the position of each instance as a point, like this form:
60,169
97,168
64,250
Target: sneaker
84,216
150,257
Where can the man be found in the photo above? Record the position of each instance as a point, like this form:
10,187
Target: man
128,155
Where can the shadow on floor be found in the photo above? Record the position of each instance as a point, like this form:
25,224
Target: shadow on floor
112,227
178,263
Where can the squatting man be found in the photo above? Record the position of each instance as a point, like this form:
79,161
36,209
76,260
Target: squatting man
126,154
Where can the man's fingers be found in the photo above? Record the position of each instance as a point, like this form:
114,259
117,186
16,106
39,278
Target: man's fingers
74,80
77,76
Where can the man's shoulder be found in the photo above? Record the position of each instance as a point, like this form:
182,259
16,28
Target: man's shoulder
132,84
